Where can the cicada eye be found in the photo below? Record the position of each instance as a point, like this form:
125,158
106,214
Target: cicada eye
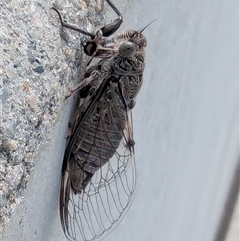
127,49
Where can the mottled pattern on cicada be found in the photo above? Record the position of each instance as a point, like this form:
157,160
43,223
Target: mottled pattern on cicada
98,172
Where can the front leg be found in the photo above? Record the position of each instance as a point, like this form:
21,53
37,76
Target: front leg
112,27
95,45
106,30
66,25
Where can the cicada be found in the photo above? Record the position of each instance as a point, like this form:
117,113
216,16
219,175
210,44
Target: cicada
98,170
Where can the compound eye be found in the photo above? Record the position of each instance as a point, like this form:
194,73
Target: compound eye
127,49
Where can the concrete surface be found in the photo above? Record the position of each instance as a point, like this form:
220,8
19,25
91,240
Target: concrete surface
37,67
185,125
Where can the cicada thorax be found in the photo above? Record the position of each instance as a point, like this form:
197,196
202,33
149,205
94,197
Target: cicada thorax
128,65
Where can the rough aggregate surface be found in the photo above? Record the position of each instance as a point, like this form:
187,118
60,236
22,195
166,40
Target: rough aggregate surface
39,61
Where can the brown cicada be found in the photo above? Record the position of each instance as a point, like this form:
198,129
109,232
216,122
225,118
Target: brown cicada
98,171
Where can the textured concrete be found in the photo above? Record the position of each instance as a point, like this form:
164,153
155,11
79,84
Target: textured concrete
185,125
37,67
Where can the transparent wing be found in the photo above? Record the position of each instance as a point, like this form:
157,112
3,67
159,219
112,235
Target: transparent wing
90,212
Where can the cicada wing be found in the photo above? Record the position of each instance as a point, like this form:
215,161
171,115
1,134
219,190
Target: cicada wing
100,204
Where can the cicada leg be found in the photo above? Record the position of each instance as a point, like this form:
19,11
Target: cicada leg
86,82
112,27
66,25
93,47
107,30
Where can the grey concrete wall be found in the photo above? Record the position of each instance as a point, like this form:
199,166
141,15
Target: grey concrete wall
185,126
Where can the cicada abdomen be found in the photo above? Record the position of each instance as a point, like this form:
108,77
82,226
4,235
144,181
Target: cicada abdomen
98,172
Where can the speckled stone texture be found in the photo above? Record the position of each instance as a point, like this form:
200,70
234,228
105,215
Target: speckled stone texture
39,61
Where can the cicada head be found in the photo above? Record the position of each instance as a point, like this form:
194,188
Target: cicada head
132,41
